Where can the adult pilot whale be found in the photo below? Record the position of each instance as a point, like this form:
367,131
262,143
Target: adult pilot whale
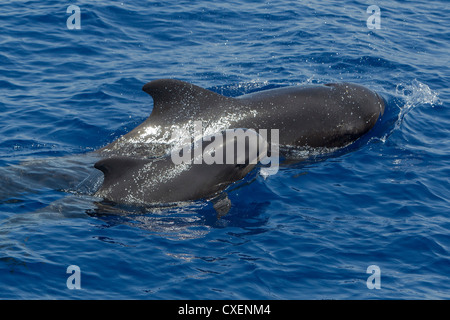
314,116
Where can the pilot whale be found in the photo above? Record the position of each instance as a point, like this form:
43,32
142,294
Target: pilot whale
315,116
162,180
137,167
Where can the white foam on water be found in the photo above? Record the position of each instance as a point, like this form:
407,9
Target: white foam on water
414,94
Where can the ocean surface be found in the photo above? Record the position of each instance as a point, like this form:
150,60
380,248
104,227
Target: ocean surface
312,231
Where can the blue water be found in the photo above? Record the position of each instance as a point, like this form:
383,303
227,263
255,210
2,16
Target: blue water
308,232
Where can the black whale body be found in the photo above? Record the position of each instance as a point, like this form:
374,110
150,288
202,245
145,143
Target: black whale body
330,115
318,116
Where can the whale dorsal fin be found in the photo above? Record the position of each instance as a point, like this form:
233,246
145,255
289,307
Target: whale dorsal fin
172,96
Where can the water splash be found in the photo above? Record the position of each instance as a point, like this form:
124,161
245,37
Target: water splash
411,96
415,94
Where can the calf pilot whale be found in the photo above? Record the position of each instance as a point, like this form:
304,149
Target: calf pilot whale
161,180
